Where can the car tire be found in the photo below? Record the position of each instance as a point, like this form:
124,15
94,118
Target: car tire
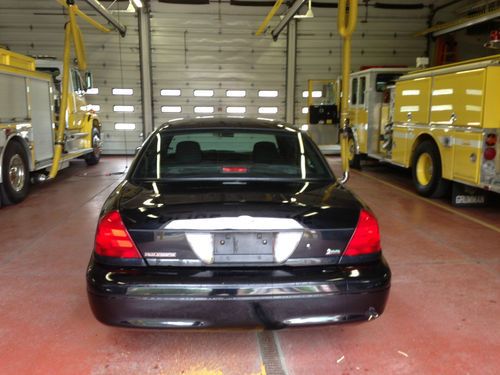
426,171
15,174
94,157
353,157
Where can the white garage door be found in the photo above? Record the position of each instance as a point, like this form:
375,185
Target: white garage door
207,61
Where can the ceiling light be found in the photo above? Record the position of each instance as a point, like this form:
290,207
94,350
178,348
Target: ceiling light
137,3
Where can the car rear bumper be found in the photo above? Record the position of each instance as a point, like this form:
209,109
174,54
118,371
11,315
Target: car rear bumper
208,298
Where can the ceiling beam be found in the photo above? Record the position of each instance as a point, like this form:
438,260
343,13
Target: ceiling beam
103,11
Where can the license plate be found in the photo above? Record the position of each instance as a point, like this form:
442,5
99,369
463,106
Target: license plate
243,247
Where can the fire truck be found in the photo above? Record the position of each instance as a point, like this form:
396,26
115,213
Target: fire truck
30,101
442,122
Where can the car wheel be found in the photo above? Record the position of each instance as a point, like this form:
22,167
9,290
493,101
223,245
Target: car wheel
353,157
94,157
426,171
15,173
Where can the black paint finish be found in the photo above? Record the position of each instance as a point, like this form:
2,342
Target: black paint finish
315,285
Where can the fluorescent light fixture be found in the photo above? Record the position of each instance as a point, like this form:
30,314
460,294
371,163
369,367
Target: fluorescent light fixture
203,109
170,92
236,110
123,108
92,91
236,93
207,93
122,91
124,126
137,3
171,109
268,110
91,107
268,93
315,94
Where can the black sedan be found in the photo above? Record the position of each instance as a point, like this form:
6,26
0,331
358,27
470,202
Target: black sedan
232,222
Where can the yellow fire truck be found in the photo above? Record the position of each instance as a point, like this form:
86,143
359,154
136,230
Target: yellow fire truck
44,119
441,122
30,98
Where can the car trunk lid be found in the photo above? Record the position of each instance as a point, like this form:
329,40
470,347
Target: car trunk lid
257,223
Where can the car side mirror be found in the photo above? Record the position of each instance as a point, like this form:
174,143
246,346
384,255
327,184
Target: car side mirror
89,81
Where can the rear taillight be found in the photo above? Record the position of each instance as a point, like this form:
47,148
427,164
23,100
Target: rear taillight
112,238
491,139
489,153
366,237
234,170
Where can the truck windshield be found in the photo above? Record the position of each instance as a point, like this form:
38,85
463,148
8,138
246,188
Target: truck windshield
386,79
230,154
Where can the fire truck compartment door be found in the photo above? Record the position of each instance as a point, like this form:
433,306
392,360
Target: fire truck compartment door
42,119
412,103
457,98
13,101
467,156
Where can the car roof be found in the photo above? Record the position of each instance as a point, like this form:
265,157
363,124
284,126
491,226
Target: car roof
218,122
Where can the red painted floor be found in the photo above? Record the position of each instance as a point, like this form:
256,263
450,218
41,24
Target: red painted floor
442,316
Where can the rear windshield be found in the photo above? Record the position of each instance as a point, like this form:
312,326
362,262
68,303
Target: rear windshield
232,154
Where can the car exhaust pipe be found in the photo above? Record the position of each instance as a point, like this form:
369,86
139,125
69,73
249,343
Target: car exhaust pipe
372,313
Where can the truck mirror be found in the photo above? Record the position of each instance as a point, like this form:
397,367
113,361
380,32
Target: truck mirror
89,81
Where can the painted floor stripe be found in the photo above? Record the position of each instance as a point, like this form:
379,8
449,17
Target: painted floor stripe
446,208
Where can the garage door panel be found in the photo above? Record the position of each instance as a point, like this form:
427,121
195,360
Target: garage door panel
225,60
213,47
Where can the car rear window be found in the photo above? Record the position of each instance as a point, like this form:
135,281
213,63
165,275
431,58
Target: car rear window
230,154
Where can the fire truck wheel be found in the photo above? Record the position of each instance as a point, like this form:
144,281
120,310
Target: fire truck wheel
94,157
15,173
426,168
354,159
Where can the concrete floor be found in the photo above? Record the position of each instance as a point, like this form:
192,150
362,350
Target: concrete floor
442,315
